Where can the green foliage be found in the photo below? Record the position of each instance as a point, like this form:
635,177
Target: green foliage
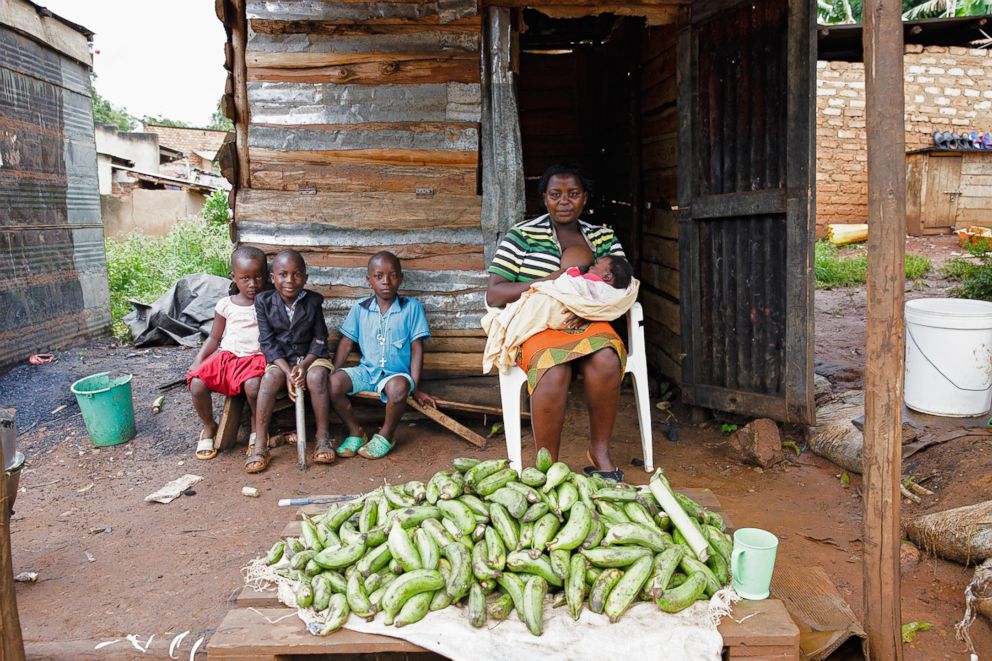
850,11
143,268
834,269
164,121
215,210
727,428
975,274
106,113
910,629
219,121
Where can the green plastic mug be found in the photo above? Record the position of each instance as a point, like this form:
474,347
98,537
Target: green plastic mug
752,562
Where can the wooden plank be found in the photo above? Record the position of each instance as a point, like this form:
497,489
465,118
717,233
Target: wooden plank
341,11
422,256
661,222
447,136
885,344
660,151
239,35
11,642
735,205
391,211
318,60
915,168
379,157
663,310
661,186
654,14
660,94
659,335
331,103
662,278
362,28
230,420
661,251
768,624
389,70
267,49
361,177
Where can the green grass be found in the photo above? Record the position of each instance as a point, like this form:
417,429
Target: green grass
848,267
974,273
143,267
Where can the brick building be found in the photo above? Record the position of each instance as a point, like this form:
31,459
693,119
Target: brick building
947,88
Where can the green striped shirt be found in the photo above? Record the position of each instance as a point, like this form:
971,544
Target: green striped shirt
530,249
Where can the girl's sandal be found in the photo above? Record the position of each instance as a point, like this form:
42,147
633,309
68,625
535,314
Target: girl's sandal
324,452
377,448
205,448
350,445
615,474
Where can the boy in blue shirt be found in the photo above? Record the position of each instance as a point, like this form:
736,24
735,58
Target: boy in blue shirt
390,331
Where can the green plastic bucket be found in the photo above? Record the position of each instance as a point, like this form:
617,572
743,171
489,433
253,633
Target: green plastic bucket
108,410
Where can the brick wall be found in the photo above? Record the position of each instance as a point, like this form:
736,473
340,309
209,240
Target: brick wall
947,89
187,140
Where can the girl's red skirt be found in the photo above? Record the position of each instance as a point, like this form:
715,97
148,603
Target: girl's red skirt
226,373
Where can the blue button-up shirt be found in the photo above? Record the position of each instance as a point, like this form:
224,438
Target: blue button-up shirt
385,339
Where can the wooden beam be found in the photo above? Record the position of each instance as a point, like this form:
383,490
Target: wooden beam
11,643
239,42
445,421
881,457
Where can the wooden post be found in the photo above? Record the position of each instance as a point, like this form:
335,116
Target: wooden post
11,644
239,42
884,354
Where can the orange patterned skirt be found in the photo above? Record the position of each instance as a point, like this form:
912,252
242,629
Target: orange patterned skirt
554,347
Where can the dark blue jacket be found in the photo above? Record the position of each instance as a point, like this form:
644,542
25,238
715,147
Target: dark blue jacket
280,339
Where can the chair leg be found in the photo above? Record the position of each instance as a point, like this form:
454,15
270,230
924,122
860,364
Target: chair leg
509,393
643,402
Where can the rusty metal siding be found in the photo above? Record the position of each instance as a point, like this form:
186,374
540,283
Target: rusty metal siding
53,275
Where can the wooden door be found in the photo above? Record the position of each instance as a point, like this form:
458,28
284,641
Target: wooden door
941,191
745,79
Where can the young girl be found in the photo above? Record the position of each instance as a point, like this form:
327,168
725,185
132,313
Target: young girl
238,365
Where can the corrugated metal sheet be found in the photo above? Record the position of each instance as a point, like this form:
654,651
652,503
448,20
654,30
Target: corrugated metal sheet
53,274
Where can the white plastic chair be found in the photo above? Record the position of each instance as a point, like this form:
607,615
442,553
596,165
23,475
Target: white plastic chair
637,366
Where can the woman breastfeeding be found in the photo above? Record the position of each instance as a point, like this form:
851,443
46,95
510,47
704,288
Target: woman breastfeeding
542,249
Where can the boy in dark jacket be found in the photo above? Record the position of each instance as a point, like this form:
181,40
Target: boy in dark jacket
293,336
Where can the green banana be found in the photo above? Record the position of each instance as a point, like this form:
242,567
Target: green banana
369,513
447,487
476,606
639,514
374,560
627,588
718,564
480,568
348,533
462,464
616,495
484,469
312,568
337,615
407,585
427,549
522,563
460,578
459,514
506,526
711,518
683,596
691,565
601,587
304,595
558,473
275,553
396,498
341,556
544,460
321,592
635,533
568,495
402,550
514,501
476,504
615,556
498,606
575,584
719,542
532,494
560,563
533,599
309,534
526,535
358,601
665,564
335,517
533,477
300,560
596,532
440,600
575,530
416,490
545,529
610,513
535,512
513,585
336,580
438,532
327,536
414,609
585,491
497,480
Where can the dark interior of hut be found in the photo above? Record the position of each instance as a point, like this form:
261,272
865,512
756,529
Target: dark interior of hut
578,102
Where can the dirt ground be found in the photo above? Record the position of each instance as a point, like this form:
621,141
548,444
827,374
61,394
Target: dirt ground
110,564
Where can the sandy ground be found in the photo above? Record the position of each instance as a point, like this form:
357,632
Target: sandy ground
111,564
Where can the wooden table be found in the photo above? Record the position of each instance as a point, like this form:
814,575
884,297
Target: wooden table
757,630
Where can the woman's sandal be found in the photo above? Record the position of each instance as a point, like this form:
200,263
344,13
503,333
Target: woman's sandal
324,452
377,448
351,445
615,474
205,448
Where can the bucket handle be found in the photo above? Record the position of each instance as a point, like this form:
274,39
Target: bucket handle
939,371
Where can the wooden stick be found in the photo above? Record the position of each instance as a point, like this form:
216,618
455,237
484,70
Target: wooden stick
448,422
881,457
239,43
11,643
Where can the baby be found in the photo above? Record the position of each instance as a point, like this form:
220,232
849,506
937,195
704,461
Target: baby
601,292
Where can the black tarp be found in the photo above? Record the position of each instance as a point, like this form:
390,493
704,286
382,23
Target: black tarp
182,315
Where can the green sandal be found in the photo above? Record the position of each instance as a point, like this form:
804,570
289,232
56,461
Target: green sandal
350,445
377,448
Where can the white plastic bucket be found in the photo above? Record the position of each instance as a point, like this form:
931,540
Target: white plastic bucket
949,356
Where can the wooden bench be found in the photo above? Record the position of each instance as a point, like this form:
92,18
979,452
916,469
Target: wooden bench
755,631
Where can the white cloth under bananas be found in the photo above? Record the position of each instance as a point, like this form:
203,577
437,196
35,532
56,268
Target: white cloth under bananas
547,305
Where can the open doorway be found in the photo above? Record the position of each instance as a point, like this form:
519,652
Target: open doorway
578,103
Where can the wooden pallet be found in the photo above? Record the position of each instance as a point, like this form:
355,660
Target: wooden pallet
756,631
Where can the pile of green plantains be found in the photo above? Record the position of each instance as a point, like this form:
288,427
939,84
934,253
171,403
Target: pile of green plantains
502,541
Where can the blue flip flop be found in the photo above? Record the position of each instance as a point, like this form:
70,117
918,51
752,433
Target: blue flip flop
350,445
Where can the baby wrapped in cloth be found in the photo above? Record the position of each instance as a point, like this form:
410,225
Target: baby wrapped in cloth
549,304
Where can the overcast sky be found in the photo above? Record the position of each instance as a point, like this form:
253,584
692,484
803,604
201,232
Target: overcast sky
154,57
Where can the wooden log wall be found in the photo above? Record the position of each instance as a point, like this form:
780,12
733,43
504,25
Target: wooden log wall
362,127
659,247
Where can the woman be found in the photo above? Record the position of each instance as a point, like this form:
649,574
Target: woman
532,251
